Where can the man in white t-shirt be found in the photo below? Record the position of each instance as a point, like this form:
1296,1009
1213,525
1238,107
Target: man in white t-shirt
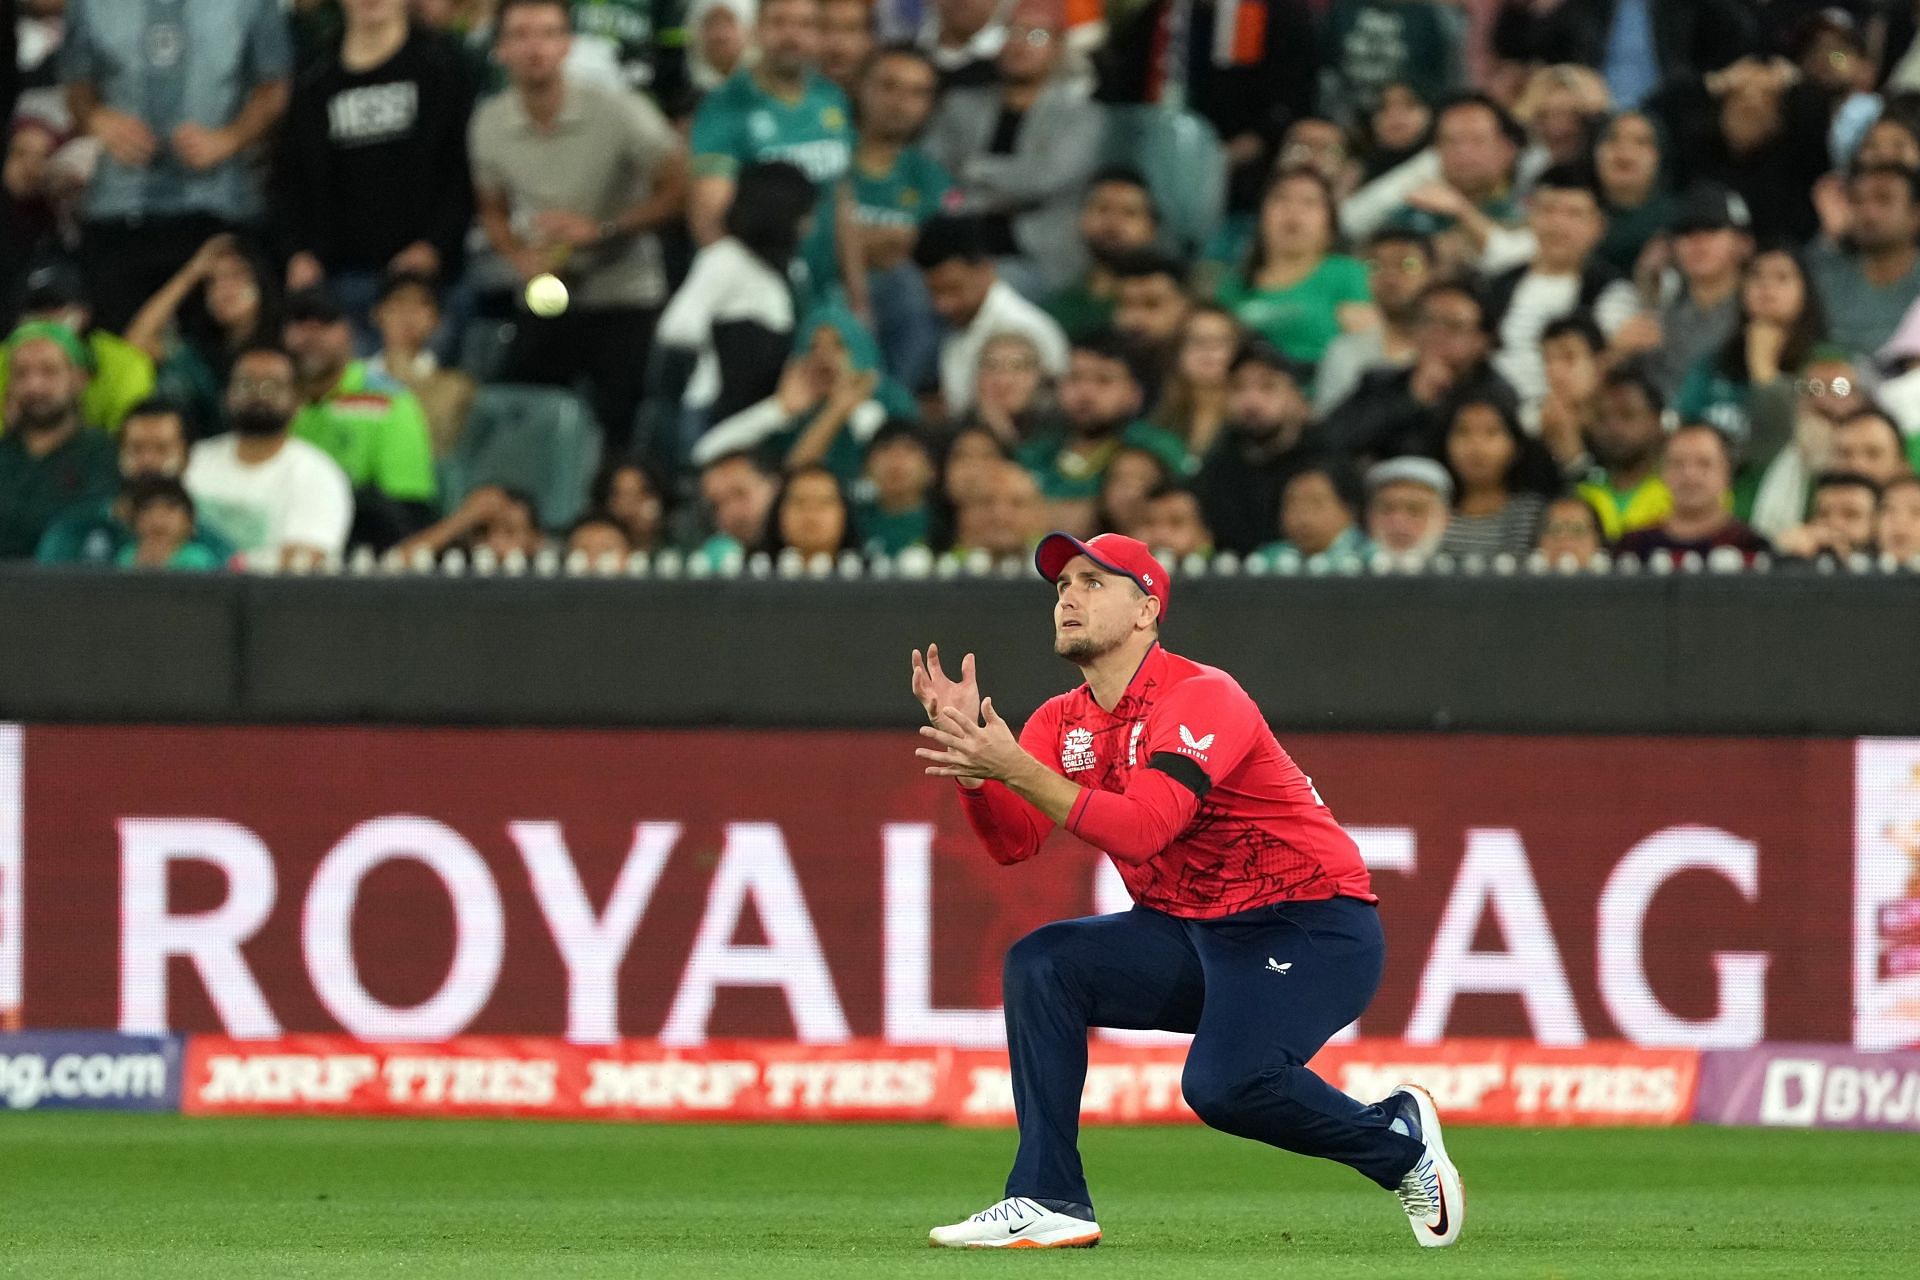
975,304
281,502
1548,271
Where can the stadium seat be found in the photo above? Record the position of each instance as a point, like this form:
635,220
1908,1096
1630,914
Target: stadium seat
483,347
1183,162
540,439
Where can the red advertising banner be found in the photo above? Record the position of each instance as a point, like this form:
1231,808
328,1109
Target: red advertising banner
1474,1082
412,886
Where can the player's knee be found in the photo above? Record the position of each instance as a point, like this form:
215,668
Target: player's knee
1036,962
1216,1092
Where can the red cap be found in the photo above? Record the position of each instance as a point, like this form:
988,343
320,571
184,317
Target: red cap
1114,552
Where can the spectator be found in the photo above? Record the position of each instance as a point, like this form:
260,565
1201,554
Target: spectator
1867,285
1754,128
119,374
719,35
1150,312
1117,218
964,38
1774,490
48,457
1265,441
846,40
643,41
1021,153
782,108
281,502
1638,44
160,515
1371,45
1317,518
1899,393
1315,144
966,473
1841,522
1501,480
1005,517
152,445
900,476
406,315
1295,291
1100,403
1407,504
1399,265
1571,354
178,119
502,520
830,402
1625,441
732,320
1781,323
1897,530
1557,274
1012,393
1399,127
1466,175
1124,485
218,305
1697,467
1250,78
811,515
1559,107
1868,444
372,427
975,304
1400,411
1709,244
1633,194
896,188
1174,524
372,172
31,191
600,538
738,493
573,179
632,495
1570,532
1193,398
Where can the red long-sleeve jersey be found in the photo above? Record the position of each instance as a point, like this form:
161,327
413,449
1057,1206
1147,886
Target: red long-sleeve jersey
1186,789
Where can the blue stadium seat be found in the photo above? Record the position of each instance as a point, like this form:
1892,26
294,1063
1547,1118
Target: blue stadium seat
540,439
1184,164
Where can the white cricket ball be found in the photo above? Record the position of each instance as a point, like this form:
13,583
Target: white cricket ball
546,296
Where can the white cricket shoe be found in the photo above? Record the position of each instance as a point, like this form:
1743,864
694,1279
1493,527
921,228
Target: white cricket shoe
1432,1194
1017,1223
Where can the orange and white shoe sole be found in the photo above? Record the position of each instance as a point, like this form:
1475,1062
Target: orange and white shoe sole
1072,1242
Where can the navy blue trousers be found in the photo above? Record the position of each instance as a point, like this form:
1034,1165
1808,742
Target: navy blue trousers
1260,990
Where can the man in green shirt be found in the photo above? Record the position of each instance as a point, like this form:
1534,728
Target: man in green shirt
119,374
153,446
782,108
372,427
646,39
900,471
1101,399
48,458
896,187
1117,218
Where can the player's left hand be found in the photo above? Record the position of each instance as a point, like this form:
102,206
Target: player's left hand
972,751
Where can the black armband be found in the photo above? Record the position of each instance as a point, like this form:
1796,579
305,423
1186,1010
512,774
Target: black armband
1183,770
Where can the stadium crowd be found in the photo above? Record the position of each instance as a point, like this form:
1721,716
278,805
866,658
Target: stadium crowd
1314,281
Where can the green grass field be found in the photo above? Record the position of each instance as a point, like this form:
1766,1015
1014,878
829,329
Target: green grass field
96,1195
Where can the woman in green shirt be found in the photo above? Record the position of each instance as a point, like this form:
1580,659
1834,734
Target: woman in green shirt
1296,292
1627,160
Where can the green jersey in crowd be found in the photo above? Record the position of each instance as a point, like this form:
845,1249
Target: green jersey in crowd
903,197
375,430
1066,474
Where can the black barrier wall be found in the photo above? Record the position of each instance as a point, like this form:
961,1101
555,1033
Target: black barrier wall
1766,654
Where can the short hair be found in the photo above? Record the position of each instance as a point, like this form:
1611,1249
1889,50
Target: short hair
1106,344
1174,489
1909,180
1339,473
1568,177
1580,324
1909,480
1638,377
749,456
1419,241
262,347
1126,176
896,49
770,200
1586,508
158,407
1719,436
899,431
1139,264
598,515
1846,480
1877,414
508,6
947,238
394,281
144,491
1263,353
1509,127
1459,289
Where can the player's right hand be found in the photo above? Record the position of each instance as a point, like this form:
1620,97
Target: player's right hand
936,692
